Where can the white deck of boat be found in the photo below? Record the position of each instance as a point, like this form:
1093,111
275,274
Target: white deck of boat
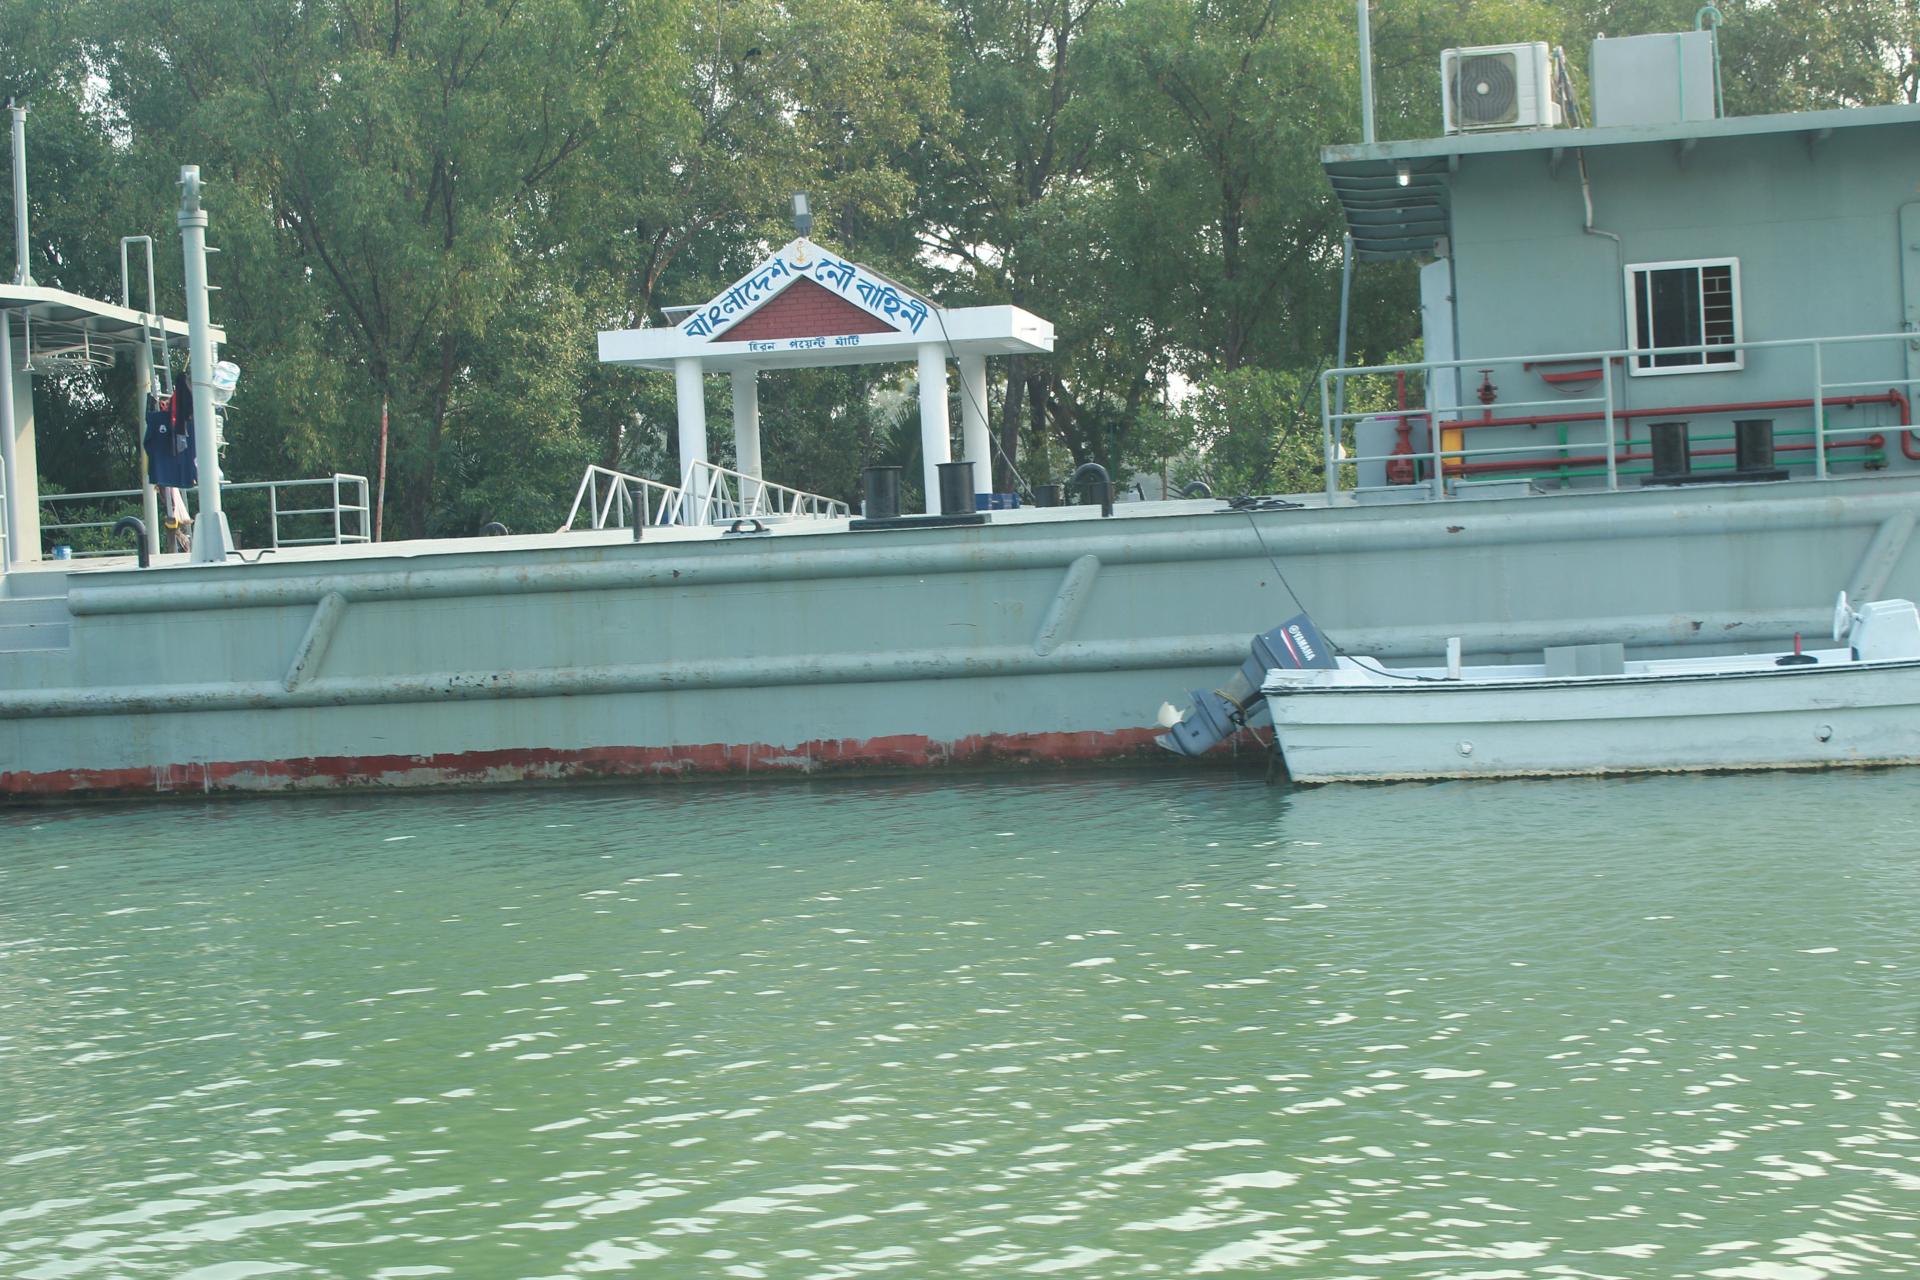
660,534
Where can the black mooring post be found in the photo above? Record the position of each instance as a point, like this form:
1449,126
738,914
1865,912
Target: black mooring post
956,488
880,488
1753,444
1103,493
638,497
139,528
1671,456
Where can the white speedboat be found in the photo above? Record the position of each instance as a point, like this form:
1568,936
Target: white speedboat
1586,709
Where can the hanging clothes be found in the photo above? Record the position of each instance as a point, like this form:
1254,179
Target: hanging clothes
169,440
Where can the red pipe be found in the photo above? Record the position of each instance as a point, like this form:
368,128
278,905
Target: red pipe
1689,411
1874,441
1907,440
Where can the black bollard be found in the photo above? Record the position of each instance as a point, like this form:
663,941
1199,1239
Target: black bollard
881,489
1753,444
1671,456
956,488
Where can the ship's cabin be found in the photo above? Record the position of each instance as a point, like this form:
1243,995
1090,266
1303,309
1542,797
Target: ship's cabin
1633,290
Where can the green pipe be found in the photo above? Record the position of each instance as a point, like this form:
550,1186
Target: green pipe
1699,24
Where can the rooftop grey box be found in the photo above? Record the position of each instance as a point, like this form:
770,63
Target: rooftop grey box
1658,79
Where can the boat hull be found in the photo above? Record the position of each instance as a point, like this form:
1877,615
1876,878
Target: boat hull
1018,643
1805,717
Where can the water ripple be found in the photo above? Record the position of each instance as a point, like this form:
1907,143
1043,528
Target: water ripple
1145,1026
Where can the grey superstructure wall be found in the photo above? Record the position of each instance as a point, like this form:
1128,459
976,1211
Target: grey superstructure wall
1813,220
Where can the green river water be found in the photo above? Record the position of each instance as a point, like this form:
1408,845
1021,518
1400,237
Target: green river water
1103,1026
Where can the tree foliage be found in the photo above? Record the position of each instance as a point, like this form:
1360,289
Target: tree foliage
433,205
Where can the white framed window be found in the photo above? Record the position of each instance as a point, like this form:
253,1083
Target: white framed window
1682,305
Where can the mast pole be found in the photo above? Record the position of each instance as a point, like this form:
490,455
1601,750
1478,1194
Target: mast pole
209,525
1366,74
21,275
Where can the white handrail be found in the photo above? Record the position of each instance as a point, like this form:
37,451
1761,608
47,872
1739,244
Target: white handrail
337,509
608,496
1607,418
726,495
714,495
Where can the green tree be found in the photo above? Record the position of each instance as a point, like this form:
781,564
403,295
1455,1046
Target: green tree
1221,214
1783,55
831,98
86,427
388,174
1004,198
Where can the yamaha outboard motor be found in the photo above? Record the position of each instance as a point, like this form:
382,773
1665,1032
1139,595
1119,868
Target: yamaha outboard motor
1295,644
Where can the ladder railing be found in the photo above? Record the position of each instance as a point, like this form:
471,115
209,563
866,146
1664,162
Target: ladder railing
152,333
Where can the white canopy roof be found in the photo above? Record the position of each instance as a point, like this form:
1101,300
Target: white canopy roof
890,322
63,321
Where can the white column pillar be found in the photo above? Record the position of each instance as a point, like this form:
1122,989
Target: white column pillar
690,394
746,422
7,486
746,432
936,443
973,421
21,457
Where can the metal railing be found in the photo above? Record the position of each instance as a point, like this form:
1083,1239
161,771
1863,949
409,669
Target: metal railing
610,497
346,518
337,511
1602,411
719,495
714,495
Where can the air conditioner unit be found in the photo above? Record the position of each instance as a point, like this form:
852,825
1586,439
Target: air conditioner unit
1501,86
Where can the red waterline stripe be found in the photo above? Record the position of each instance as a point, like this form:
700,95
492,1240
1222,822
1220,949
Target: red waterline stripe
543,764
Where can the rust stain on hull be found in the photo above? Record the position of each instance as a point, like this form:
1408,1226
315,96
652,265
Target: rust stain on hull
546,764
